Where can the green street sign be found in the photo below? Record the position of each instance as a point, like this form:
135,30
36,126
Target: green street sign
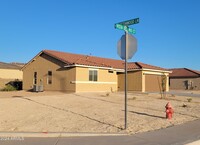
125,28
130,22
119,26
132,31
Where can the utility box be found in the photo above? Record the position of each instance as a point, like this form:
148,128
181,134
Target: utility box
35,88
38,88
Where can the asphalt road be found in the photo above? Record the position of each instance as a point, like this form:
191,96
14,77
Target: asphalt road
184,93
176,135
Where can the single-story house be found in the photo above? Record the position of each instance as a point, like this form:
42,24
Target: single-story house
61,71
184,79
9,73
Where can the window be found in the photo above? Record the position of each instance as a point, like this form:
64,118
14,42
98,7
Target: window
35,78
93,74
49,77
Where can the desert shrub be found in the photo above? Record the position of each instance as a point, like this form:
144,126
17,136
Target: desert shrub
107,94
9,88
133,98
189,99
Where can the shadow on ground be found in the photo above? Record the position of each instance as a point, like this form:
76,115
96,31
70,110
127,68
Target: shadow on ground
145,114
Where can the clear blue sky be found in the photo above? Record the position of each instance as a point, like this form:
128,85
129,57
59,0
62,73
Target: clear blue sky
168,33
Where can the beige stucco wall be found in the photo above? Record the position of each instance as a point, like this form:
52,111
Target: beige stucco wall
3,82
7,75
106,81
74,79
11,74
61,77
181,83
153,81
134,81
143,81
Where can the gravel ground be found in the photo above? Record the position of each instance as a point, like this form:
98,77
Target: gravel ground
91,112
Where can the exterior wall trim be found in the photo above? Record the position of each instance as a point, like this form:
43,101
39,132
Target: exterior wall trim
32,60
153,73
144,69
94,67
154,70
91,82
143,82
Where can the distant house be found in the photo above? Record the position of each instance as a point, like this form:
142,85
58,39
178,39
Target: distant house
18,64
9,73
61,71
184,79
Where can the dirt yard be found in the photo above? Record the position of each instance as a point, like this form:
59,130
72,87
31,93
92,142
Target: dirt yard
91,112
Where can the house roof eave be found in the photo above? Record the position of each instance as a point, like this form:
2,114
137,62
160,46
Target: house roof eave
86,66
33,59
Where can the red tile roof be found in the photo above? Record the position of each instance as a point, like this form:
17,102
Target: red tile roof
140,65
184,72
87,60
78,59
196,71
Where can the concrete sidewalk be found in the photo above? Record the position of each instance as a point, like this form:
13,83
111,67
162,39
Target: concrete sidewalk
176,135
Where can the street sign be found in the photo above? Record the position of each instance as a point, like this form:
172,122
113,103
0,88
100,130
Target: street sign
130,22
131,30
125,28
130,45
126,48
119,26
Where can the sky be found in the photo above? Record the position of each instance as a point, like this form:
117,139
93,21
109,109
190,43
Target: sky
168,34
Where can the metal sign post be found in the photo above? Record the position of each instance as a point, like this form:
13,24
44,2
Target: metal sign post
125,87
127,46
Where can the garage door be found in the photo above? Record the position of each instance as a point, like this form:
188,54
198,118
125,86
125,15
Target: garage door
152,83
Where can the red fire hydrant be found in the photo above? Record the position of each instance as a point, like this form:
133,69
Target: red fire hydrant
169,111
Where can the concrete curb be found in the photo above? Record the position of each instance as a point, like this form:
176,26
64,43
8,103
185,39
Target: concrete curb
56,134
194,143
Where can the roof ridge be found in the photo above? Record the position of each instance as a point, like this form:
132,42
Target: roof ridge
46,52
194,71
137,63
84,55
177,68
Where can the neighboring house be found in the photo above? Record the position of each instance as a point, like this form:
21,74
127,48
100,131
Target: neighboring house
9,73
184,79
63,71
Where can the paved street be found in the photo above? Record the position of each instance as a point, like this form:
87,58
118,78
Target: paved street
185,93
177,135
